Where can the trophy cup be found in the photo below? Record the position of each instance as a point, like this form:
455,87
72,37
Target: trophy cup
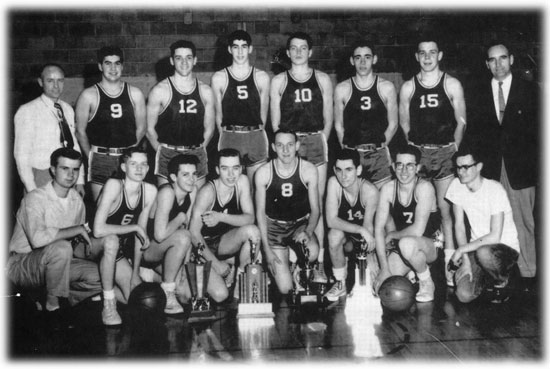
198,273
253,290
361,266
309,294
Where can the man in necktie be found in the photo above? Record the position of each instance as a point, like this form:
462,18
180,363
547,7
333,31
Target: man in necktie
504,124
66,137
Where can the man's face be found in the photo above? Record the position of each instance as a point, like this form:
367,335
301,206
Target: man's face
136,167
52,81
363,60
467,169
183,61
428,55
499,61
240,51
65,173
405,168
298,51
186,177
229,169
285,146
111,68
346,172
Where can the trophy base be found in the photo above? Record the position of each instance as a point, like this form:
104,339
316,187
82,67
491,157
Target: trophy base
303,299
201,316
255,310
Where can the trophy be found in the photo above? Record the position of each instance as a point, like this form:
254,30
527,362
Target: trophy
198,273
361,265
309,294
253,290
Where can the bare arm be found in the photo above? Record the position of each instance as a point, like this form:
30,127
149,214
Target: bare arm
457,99
327,89
341,95
261,180
236,220
84,106
155,102
218,83
275,100
389,97
310,176
262,78
209,113
140,112
164,228
142,242
381,218
405,96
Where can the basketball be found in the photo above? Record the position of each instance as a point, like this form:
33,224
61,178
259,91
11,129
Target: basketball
397,293
149,296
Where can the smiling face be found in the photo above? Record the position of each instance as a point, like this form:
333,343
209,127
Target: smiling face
229,169
286,147
429,56
186,177
499,62
183,61
467,169
136,167
406,168
240,51
111,68
346,172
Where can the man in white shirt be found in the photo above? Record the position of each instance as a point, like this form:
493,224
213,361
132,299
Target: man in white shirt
493,247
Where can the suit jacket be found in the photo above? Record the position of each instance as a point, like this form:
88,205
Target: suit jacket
515,140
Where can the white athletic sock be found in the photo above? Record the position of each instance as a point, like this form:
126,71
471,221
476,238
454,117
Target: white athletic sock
168,286
339,273
51,307
425,275
108,295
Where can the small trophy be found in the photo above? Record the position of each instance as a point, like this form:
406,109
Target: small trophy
306,275
253,290
198,273
361,254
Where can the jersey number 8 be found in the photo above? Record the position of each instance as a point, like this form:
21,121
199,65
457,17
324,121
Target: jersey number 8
286,189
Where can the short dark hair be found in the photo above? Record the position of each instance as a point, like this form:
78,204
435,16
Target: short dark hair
183,44
301,36
407,149
428,37
64,152
176,161
496,42
109,50
362,43
285,131
468,149
127,154
348,154
228,153
239,35
48,65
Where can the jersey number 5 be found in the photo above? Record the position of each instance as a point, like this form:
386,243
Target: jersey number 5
242,92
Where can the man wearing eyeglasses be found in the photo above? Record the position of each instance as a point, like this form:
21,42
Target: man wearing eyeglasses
407,224
493,247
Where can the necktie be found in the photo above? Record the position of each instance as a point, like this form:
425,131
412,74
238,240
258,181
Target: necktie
66,137
501,103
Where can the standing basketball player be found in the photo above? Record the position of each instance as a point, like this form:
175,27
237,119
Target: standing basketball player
432,114
287,207
180,114
365,114
110,116
351,204
223,218
120,231
301,100
407,224
242,101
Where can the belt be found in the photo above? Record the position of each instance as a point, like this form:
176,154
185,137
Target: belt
179,148
308,133
242,128
108,150
289,221
366,147
432,146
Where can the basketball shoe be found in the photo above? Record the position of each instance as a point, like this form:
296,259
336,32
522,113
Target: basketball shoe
109,315
426,290
319,275
172,304
338,289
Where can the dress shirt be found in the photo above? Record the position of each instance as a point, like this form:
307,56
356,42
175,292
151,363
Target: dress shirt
42,214
37,135
506,83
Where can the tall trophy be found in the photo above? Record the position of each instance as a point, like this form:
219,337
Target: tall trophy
198,273
253,290
308,292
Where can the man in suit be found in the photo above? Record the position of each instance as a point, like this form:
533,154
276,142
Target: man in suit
505,125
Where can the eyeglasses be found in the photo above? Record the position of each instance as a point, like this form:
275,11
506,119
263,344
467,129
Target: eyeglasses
465,167
410,166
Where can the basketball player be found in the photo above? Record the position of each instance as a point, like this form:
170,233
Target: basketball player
223,218
301,100
242,101
365,114
120,231
287,207
167,226
432,113
410,240
351,204
110,116
180,114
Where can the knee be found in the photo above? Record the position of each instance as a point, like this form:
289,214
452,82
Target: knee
335,239
61,250
252,233
110,245
219,294
407,247
183,241
464,296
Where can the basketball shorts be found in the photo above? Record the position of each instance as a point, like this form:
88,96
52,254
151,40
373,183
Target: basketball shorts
280,233
313,147
213,243
252,145
164,154
376,163
126,247
102,166
437,161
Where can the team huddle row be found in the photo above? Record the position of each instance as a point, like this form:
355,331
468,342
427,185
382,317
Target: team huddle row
279,204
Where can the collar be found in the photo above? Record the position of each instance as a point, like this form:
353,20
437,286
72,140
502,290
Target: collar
505,83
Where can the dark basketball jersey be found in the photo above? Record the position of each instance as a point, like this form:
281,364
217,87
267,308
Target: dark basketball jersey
302,105
241,101
365,116
113,124
431,113
403,215
181,123
232,206
353,213
174,211
287,197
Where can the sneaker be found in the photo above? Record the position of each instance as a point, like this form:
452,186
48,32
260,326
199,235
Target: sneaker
172,304
319,275
425,291
109,315
338,289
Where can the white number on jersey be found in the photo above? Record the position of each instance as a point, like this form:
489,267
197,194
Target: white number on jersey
357,215
365,103
286,189
242,92
190,108
429,101
116,110
303,95
127,219
409,215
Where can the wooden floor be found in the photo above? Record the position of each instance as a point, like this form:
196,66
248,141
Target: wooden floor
351,330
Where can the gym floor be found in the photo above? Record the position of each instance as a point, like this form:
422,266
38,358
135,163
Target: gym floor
354,329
